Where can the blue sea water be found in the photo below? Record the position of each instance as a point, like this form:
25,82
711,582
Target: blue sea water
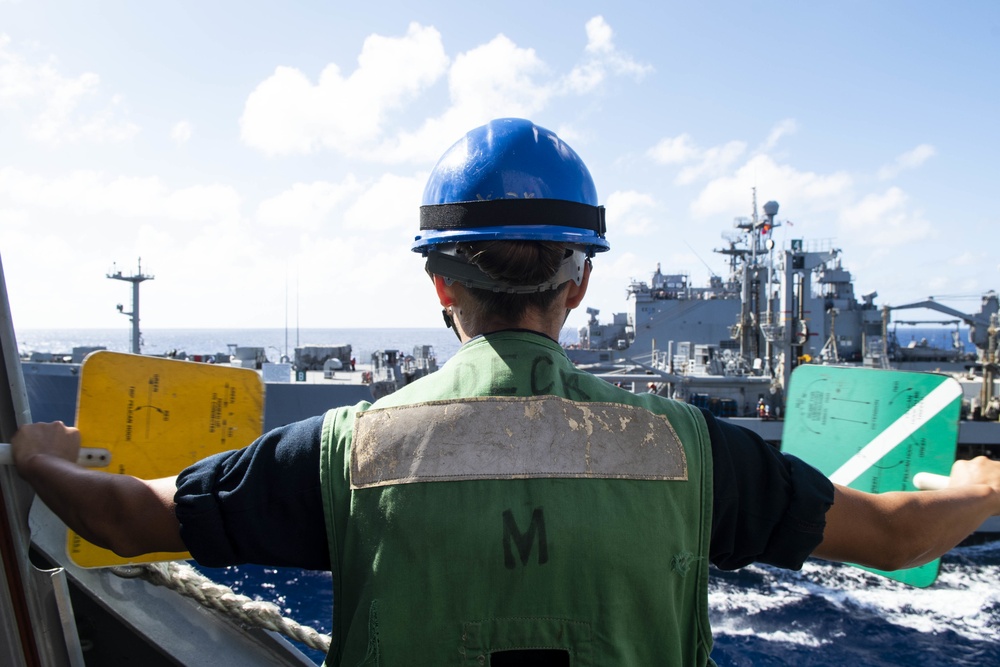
827,614
276,343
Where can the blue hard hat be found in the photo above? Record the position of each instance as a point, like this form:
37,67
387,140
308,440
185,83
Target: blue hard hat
510,180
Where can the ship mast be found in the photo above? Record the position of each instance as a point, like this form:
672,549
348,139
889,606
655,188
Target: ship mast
135,279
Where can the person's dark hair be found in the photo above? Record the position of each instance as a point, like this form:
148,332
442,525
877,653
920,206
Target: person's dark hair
515,263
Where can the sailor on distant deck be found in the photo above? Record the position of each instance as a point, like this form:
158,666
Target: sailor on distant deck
509,509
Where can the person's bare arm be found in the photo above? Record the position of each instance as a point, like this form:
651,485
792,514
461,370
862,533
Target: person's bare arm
892,531
125,514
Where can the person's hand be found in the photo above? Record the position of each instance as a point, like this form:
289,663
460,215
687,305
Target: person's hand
49,439
980,470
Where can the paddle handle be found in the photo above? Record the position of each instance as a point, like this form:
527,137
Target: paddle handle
90,457
927,481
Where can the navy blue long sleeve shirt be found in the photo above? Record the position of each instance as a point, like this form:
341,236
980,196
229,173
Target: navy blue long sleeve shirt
262,504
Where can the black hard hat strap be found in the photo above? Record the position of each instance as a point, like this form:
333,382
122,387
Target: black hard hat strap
513,212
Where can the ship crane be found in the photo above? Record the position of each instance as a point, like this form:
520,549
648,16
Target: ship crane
983,327
978,323
927,321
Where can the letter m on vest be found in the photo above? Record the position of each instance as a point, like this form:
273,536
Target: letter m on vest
513,537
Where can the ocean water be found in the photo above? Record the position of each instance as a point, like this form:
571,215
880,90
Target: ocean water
833,614
276,343
827,614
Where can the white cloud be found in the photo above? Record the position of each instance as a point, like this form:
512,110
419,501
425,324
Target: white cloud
674,150
307,206
701,162
181,132
870,227
969,258
909,160
780,182
600,42
390,204
599,36
14,218
60,108
287,113
885,220
612,272
493,80
497,79
91,193
190,238
365,282
212,268
337,210
603,57
219,203
787,126
713,162
630,213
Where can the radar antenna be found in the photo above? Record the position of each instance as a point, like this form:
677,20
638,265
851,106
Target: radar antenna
135,279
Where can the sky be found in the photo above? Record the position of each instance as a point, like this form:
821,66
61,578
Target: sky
266,161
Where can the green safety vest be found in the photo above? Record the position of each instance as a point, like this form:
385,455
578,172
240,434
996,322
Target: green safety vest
510,501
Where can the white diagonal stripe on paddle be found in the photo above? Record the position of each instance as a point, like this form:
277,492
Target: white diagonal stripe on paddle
921,413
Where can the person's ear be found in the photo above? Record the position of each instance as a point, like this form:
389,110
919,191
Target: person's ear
444,291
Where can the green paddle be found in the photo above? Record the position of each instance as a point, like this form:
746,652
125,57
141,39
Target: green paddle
876,431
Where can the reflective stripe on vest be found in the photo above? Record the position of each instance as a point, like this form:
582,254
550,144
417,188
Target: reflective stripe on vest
512,438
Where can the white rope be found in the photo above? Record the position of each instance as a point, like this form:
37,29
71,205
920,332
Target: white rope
186,580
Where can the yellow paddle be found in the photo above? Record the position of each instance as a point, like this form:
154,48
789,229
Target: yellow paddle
157,416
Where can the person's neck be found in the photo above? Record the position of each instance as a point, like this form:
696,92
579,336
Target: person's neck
534,324
517,330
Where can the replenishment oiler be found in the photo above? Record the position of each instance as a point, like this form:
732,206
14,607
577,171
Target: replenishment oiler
730,346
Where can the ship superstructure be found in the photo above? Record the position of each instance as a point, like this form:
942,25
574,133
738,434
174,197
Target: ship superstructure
736,340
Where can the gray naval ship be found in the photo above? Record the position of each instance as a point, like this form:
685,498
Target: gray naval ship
730,346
